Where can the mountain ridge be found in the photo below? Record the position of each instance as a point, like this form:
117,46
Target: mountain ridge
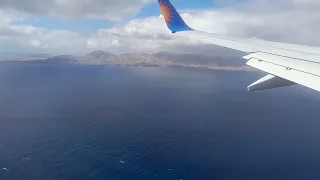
100,57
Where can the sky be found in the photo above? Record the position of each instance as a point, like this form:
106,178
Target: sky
121,26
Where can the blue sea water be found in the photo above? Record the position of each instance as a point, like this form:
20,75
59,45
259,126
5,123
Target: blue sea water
63,122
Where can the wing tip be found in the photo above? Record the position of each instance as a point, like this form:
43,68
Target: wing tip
172,18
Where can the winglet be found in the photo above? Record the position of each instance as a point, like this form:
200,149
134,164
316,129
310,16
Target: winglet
173,20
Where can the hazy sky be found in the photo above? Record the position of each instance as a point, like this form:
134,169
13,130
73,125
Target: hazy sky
79,26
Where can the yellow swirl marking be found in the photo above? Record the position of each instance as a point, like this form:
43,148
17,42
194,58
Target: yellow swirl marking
167,13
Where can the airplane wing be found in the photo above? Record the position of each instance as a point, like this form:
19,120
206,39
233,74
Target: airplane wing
287,64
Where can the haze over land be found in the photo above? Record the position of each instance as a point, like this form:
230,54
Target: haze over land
142,59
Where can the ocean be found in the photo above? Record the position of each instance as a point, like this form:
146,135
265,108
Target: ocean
69,122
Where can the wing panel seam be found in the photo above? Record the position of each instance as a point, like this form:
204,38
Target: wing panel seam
285,67
282,56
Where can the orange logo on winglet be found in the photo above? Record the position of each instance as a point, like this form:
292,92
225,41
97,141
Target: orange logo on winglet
167,12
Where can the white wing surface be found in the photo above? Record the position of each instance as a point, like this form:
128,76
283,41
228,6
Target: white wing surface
287,64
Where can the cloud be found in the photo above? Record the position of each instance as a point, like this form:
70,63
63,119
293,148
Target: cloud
292,21
74,9
280,21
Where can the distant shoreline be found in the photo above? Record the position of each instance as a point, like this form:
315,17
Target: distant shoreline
223,68
160,59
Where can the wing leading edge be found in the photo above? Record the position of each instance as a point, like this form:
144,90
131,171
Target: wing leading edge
287,64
